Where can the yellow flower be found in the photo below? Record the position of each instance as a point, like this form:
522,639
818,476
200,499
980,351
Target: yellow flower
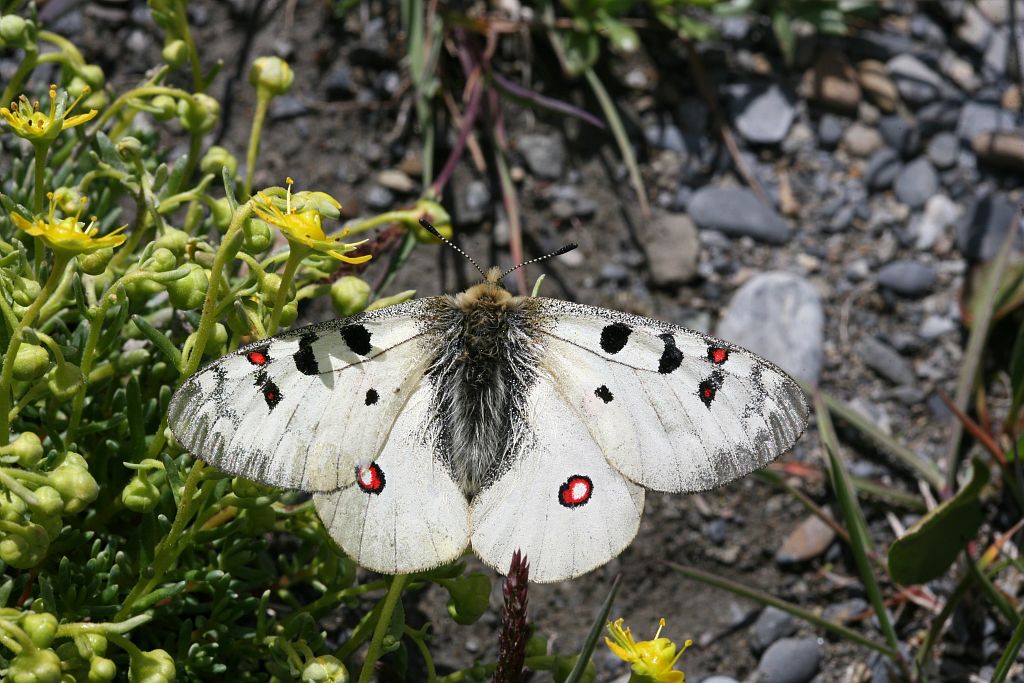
29,122
68,235
301,227
651,659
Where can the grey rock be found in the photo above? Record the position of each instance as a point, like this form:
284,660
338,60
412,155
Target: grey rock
674,251
915,80
719,679
907,278
883,168
901,134
715,530
984,226
737,211
771,625
935,326
997,52
378,197
779,316
286,107
830,131
979,117
940,212
338,84
943,150
764,116
974,28
790,660
667,136
885,360
846,610
916,183
861,140
471,203
614,272
544,155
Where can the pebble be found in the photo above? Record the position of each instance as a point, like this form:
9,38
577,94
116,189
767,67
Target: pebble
940,213
984,226
915,80
771,625
833,82
808,540
943,150
665,136
737,212
974,28
830,131
1000,148
901,134
885,360
675,249
544,154
378,197
960,71
790,660
719,679
978,117
473,203
875,81
715,530
883,167
395,180
338,84
845,611
916,183
907,278
778,315
860,140
935,326
286,107
764,115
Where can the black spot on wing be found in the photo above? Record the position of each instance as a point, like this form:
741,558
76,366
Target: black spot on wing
708,389
671,357
371,397
614,337
357,337
271,394
603,393
305,360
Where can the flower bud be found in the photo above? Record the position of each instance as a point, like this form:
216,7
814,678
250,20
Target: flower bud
128,148
270,284
40,627
258,236
78,87
28,449
49,500
220,213
25,548
173,240
12,508
469,597
200,114
155,666
162,260
30,362
68,200
95,263
64,381
175,52
75,484
140,494
216,160
272,75
35,666
217,339
289,312
350,295
101,670
26,291
92,74
140,291
436,215
165,107
321,202
189,292
325,669
14,31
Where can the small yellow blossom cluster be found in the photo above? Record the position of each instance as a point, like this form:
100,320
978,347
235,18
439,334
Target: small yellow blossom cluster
28,121
69,235
652,660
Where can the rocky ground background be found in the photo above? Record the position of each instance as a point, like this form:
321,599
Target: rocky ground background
892,158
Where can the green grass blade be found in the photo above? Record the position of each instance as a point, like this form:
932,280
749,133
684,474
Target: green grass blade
1009,654
810,617
595,633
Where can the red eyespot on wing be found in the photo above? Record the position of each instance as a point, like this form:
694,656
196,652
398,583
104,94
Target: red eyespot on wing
257,357
576,491
718,355
370,478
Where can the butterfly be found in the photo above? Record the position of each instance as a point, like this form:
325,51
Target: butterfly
489,421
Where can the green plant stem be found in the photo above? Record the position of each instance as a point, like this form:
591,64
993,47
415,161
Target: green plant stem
119,627
19,635
621,139
41,149
417,638
28,63
935,628
295,257
262,103
60,262
141,91
383,622
1009,654
993,594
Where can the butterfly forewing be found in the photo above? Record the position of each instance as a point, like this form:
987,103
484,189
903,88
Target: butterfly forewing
299,410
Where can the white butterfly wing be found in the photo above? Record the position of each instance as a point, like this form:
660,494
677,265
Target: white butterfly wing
670,408
301,409
561,503
402,512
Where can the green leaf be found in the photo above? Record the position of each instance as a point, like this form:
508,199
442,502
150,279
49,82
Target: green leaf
1017,372
928,549
580,666
783,28
159,340
623,38
581,51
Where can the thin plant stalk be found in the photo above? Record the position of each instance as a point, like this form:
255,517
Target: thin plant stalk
1009,655
381,628
295,257
262,103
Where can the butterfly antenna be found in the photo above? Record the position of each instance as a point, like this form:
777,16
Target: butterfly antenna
567,248
433,231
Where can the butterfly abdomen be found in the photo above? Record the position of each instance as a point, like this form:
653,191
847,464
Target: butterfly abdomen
488,354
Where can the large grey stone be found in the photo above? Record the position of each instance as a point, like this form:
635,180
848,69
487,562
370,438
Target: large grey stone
915,80
916,183
771,625
674,249
983,228
779,316
737,211
979,117
885,360
907,278
544,155
790,660
763,116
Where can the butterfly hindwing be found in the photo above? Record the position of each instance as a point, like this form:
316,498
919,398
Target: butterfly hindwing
300,409
561,503
401,512
670,408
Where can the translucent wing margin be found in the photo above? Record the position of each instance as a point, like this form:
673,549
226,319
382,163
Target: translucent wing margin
301,409
671,409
